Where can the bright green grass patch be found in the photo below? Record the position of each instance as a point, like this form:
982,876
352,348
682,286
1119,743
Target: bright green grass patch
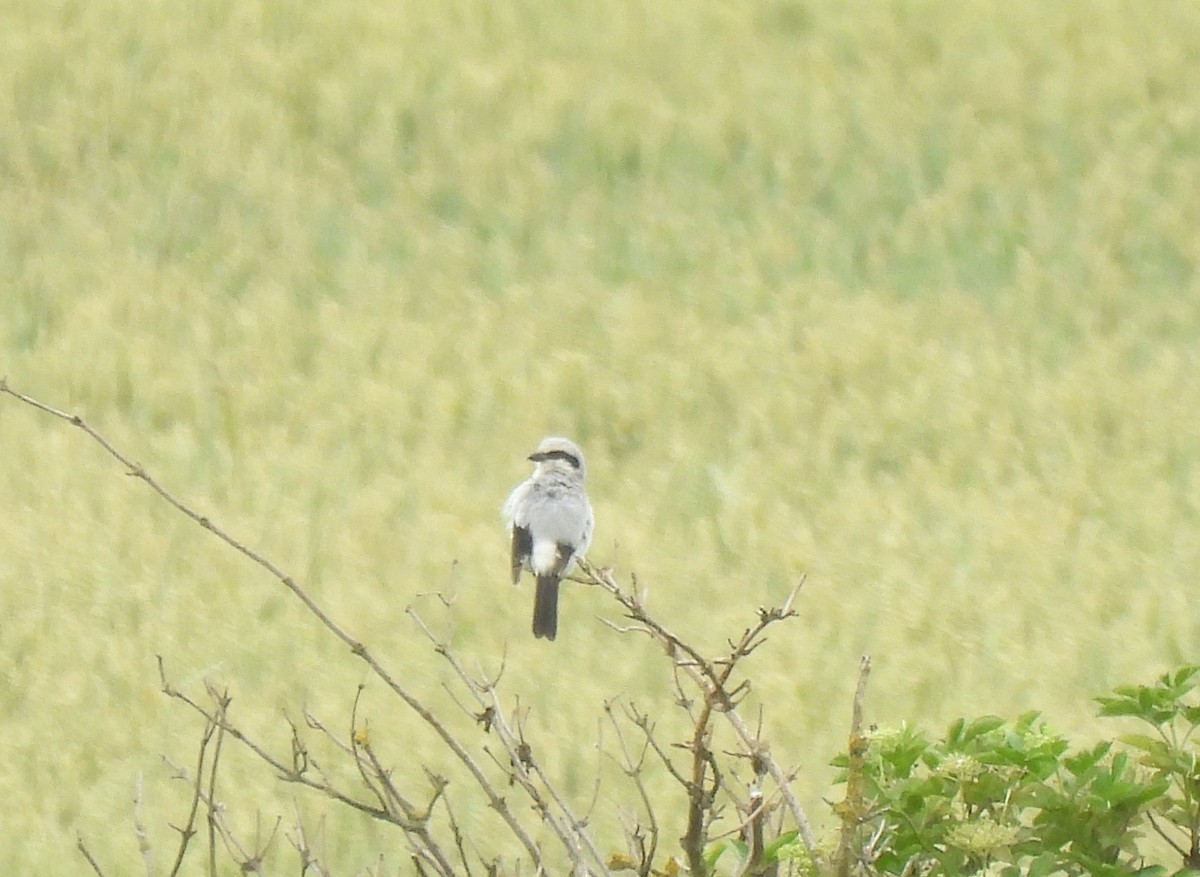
902,297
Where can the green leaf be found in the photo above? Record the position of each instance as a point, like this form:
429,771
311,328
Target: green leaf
1082,762
954,734
1144,742
716,849
1191,714
1121,705
785,847
1183,676
981,726
1043,866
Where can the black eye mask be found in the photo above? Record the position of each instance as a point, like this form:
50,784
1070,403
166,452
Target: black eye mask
556,455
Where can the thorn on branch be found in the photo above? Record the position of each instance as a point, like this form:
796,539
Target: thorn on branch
525,755
485,718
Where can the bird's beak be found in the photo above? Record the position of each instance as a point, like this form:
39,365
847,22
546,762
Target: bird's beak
538,457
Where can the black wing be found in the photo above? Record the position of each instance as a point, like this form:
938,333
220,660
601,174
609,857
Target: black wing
522,547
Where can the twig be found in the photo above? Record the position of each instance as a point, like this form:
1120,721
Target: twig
82,847
189,829
456,831
299,841
218,826
222,703
1183,854
289,774
361,737
642,721
139,829
633,768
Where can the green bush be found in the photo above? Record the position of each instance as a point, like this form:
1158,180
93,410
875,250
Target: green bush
1011,799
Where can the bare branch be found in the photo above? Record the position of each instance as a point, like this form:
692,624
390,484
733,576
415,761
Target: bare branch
642,721
1158,829
704,687
495,800
852,809
82,847
713,683
567,827
285,773
222,703
754,828
302,845
456,831
139,828
189,829
642,852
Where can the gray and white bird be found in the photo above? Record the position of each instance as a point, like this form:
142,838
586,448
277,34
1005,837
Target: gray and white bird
550,520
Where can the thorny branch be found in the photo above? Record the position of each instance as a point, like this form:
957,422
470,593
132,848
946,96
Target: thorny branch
392,808
712,678
247,862
641,850
703,781
524,769
496,801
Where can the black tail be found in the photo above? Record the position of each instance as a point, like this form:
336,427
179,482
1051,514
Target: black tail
545,607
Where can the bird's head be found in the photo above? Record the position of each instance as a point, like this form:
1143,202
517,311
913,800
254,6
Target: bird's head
558,453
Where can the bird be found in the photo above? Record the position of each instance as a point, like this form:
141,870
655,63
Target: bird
550,521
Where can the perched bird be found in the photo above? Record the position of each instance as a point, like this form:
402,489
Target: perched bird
550,519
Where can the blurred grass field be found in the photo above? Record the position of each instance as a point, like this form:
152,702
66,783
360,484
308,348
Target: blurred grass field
902,296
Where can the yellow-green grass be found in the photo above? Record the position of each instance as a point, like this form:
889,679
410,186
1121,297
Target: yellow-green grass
900,296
